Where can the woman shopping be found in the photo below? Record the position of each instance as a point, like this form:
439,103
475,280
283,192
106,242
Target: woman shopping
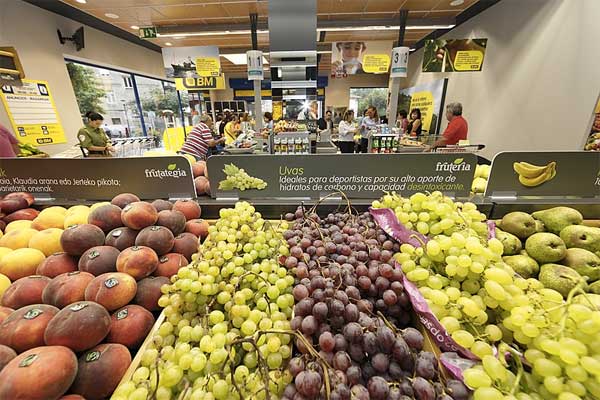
347,129
93,138
415,127
368,123
232,129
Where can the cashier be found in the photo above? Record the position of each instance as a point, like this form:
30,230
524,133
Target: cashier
93,138
457,129
325,123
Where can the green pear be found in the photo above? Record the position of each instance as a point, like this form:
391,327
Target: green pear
520,224
545,247
560,278
512,244
523,265
584,262
557,218
539,226
584,237
594,288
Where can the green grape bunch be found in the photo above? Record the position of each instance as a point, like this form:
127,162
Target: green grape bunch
238,178
226,331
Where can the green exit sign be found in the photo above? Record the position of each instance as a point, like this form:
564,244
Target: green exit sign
148,32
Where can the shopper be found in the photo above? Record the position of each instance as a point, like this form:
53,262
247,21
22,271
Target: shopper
218,123
200,139
402,121
325,123
94,139
268,119
223,124
369,122
347,129
231,129
195,117
9,146
457,128
415,128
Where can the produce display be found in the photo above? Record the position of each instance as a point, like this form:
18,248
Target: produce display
482,174
352,307
84,282
226,333
420,298
201,178
532,302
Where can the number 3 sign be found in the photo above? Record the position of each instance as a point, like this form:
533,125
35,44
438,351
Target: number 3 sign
399,62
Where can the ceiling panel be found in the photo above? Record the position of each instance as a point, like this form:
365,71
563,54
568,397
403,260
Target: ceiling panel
235,13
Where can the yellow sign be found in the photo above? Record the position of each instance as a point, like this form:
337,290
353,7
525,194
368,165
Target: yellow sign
468,60
250,93
32,113
376,63
277,110
203,83
424,102
208,66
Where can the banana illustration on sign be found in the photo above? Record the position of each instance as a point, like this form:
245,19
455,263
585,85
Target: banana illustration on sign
534,175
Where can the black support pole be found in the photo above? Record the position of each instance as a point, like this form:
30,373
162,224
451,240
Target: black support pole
253,29
402,30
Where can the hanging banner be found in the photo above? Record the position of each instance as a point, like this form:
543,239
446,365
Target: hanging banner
191,62
202,83
454,55
208,66
351,58
428,98
255,65
32,113
593,141
399,62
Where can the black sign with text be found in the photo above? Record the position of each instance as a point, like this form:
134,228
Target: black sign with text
358,176
544,174
98,178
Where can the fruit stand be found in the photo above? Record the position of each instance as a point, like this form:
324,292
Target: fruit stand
410,295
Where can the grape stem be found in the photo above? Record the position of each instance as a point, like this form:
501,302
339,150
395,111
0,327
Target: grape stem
563,321
517,357
184,392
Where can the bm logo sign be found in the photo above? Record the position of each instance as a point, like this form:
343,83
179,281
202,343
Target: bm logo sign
204,82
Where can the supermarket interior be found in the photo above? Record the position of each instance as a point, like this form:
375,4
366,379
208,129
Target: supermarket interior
299,200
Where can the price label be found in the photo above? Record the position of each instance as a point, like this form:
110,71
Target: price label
399,62
255,65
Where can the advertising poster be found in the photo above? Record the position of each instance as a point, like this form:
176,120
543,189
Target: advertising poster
191,62
32,113
454,55
593,141
429,99
350,58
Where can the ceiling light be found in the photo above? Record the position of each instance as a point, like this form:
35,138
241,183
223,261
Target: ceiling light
178,37
111,15
211,33
240,59
455,3
135,27
169,44
383,28
81,1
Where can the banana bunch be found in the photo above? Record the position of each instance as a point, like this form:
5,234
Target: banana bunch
534,175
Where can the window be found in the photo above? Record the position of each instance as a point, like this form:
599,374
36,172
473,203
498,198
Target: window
127,81
132,105
361,98
110,98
